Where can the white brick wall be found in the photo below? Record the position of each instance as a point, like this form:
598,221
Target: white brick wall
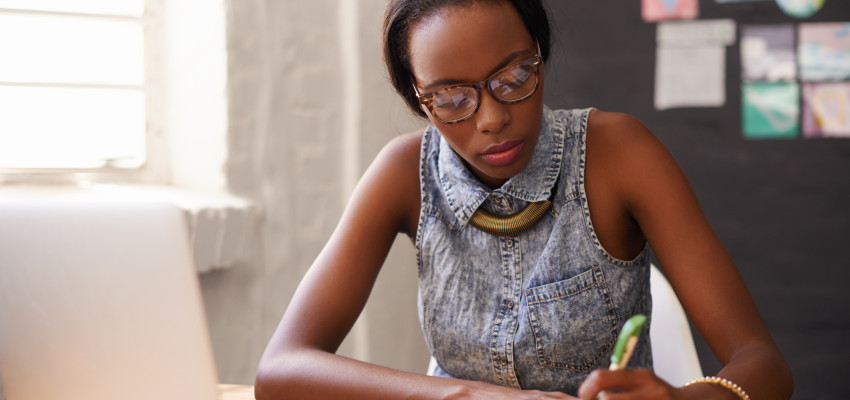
294,153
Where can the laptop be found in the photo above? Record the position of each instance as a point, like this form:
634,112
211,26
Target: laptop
100,300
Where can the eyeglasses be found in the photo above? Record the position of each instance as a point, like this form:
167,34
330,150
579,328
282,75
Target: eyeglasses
509,85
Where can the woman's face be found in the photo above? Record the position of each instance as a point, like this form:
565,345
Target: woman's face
467,44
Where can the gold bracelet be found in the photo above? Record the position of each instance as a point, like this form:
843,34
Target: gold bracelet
722,382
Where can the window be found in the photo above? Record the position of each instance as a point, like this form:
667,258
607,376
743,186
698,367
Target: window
72,85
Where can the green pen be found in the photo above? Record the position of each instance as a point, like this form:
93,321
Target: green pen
626,342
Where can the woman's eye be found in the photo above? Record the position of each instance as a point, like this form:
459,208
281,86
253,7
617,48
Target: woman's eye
450,101
515,77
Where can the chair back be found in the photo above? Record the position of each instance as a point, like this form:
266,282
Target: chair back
673,351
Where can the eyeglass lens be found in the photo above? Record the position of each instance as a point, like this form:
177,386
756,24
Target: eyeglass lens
458,102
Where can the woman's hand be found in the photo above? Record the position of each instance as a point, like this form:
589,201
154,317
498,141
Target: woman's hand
627,384
486,391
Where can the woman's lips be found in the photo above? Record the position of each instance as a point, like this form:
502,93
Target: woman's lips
503,153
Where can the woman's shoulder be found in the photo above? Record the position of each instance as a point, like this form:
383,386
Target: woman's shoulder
404,149
395,173
619,136
626,156
614,127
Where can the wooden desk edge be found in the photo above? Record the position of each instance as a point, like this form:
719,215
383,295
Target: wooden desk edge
235,392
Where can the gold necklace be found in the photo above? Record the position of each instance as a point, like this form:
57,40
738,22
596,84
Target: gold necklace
510,225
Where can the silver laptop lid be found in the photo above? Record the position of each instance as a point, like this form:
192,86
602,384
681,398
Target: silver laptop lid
100,300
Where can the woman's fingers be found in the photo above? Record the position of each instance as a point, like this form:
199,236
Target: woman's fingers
602,379
625,384
486,391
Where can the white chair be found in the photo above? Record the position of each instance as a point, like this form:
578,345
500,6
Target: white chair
673,350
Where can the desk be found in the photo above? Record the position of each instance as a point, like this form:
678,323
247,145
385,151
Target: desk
235,392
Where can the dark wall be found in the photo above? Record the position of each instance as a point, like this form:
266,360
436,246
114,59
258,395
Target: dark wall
781,207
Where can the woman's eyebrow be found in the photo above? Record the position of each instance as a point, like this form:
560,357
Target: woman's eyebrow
450,81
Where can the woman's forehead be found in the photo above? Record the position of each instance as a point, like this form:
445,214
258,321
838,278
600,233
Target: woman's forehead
466,43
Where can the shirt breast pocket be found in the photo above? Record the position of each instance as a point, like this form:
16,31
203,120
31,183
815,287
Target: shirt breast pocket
573,321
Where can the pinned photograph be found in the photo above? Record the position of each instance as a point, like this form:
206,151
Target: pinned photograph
826,110
767,53
824,51
664,10
770,110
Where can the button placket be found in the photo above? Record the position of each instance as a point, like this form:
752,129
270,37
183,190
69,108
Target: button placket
503,350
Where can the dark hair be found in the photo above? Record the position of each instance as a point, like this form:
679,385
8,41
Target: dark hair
402,14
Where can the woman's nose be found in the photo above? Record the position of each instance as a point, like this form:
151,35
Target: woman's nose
492,116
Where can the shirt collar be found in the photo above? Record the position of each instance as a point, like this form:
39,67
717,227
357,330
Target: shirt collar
465,193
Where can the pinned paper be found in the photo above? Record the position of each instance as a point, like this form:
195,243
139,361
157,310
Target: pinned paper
690,68
826,110
800,8
770,110
824,51
767,53
703,32
662,10
690,77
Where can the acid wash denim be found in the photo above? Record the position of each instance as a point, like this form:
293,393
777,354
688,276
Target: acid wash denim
539,310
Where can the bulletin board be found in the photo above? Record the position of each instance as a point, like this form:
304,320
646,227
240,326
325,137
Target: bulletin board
779,201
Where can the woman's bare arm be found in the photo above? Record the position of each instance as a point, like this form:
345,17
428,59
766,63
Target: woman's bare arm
630,170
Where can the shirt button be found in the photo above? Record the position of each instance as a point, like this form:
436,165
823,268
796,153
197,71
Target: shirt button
510,305
509,243
504,362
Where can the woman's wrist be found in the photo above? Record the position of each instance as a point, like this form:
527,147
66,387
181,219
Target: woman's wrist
722,382
710,387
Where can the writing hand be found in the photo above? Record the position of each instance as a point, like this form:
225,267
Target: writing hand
627,384
484,391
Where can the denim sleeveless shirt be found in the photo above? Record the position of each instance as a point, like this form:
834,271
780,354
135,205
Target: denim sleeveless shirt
539,310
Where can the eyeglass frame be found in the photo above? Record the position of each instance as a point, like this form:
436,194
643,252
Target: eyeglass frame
538,59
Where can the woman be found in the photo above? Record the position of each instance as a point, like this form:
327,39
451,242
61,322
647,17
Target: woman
532,229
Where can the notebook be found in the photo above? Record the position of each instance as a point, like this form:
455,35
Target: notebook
100,300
